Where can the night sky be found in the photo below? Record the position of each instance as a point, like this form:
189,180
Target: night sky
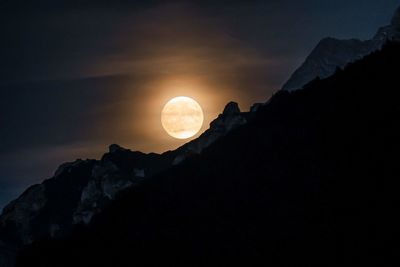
76,76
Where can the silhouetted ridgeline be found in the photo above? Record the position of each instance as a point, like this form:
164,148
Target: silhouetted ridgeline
313,179
331,53
81,189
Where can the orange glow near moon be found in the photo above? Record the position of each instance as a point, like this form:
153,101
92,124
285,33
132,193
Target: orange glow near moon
182,117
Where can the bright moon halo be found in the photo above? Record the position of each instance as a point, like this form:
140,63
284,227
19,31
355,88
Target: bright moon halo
182,117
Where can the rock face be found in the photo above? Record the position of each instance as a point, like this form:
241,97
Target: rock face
332,53
45,210
24,209
77,191
230,119
327,56
117,170
81,189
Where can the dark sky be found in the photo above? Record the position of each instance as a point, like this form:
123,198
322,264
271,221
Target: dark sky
76,76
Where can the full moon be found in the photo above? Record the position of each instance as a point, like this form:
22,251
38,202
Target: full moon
182,117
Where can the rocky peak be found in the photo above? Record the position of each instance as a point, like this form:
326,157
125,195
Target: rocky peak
66,167
232,108
115,148
326,57
229,119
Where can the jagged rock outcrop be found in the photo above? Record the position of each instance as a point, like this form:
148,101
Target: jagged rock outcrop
327,56
112,175
331,54
45,210
22,210
230,119
77,191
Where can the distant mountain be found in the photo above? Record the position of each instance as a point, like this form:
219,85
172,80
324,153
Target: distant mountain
81,189
332,53
311,180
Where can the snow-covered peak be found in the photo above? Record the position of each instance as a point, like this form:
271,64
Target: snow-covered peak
327,56
331,53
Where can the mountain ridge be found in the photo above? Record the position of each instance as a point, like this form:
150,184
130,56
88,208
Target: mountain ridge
331,53
291,187
100,181
81,189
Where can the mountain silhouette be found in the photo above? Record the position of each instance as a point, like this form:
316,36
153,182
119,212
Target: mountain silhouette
312,178
83,188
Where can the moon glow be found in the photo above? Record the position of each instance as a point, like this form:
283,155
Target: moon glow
182,117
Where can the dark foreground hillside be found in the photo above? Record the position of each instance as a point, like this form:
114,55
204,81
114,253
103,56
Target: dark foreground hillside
312,180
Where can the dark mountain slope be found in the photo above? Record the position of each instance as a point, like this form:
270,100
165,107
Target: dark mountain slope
80,189
313,179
